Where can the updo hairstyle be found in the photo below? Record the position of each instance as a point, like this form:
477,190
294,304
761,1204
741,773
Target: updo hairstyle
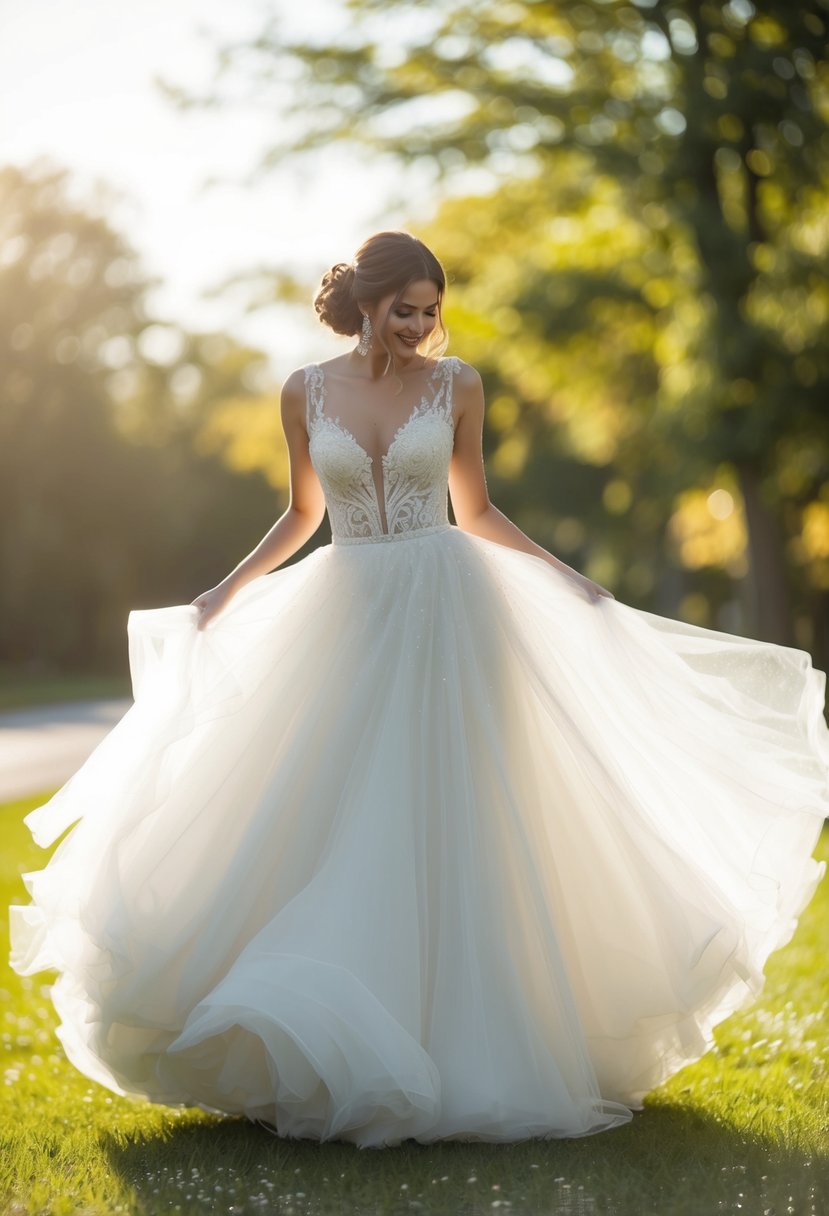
385,264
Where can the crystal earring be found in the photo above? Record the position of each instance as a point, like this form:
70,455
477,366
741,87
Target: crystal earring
365,336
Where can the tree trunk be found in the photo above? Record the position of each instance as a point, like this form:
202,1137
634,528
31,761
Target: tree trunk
768,612
820,633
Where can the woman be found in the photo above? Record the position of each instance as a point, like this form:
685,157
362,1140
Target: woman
425,835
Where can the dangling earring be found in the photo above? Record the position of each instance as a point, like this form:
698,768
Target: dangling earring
365,336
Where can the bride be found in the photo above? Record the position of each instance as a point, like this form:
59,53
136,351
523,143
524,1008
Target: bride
425,835
400,327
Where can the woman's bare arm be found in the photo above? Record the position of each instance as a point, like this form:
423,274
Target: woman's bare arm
467,483
296,525
306,506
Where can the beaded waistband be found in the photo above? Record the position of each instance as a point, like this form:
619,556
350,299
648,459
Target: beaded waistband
411,534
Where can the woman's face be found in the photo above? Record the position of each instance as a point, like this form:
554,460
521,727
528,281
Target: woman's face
410,321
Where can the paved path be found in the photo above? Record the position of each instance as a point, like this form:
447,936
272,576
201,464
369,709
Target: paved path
41,748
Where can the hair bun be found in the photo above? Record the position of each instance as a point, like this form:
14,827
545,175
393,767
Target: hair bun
334,302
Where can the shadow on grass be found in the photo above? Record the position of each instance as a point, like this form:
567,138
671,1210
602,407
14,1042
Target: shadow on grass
671,1160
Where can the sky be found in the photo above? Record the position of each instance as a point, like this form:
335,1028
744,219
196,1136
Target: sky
77,86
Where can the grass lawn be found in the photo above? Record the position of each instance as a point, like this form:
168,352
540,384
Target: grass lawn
21,690
745,1130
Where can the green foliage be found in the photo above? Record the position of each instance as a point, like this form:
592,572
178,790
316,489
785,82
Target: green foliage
109,499
745,1129
634,201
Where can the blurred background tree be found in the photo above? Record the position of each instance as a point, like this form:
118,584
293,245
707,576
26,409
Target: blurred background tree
632,207
119,487
635,218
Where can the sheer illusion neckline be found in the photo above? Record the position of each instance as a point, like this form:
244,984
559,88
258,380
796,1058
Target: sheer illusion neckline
334,420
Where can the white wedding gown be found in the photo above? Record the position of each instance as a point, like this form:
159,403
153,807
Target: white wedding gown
416,840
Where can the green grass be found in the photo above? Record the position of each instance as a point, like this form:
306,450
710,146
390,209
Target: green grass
745,1130
21,690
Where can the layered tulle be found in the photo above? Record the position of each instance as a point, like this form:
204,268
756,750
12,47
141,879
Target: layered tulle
414,839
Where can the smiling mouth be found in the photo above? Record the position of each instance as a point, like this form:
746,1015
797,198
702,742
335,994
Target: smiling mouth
409,341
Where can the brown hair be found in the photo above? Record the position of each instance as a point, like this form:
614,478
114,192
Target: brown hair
386,263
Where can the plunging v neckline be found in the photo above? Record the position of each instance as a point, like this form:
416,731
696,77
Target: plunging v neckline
335,421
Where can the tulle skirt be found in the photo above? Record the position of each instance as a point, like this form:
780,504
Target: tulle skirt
416,840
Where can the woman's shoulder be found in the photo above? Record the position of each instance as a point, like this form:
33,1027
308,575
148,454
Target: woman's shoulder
466,376
293,395
294,382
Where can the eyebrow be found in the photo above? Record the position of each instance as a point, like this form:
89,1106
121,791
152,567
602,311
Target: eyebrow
406,304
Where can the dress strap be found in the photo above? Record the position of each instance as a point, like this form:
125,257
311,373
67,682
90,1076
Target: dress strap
314,394
450,366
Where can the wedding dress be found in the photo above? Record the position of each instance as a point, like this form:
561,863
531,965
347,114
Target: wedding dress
416,839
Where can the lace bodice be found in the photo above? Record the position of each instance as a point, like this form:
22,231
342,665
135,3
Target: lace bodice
414,469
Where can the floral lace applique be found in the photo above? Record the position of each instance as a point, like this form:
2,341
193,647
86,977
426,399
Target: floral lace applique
415,467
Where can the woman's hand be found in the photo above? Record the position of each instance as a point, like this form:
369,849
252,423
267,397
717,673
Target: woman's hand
210,603
594,591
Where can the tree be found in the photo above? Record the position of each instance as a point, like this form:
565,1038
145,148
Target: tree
710,118
111,497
